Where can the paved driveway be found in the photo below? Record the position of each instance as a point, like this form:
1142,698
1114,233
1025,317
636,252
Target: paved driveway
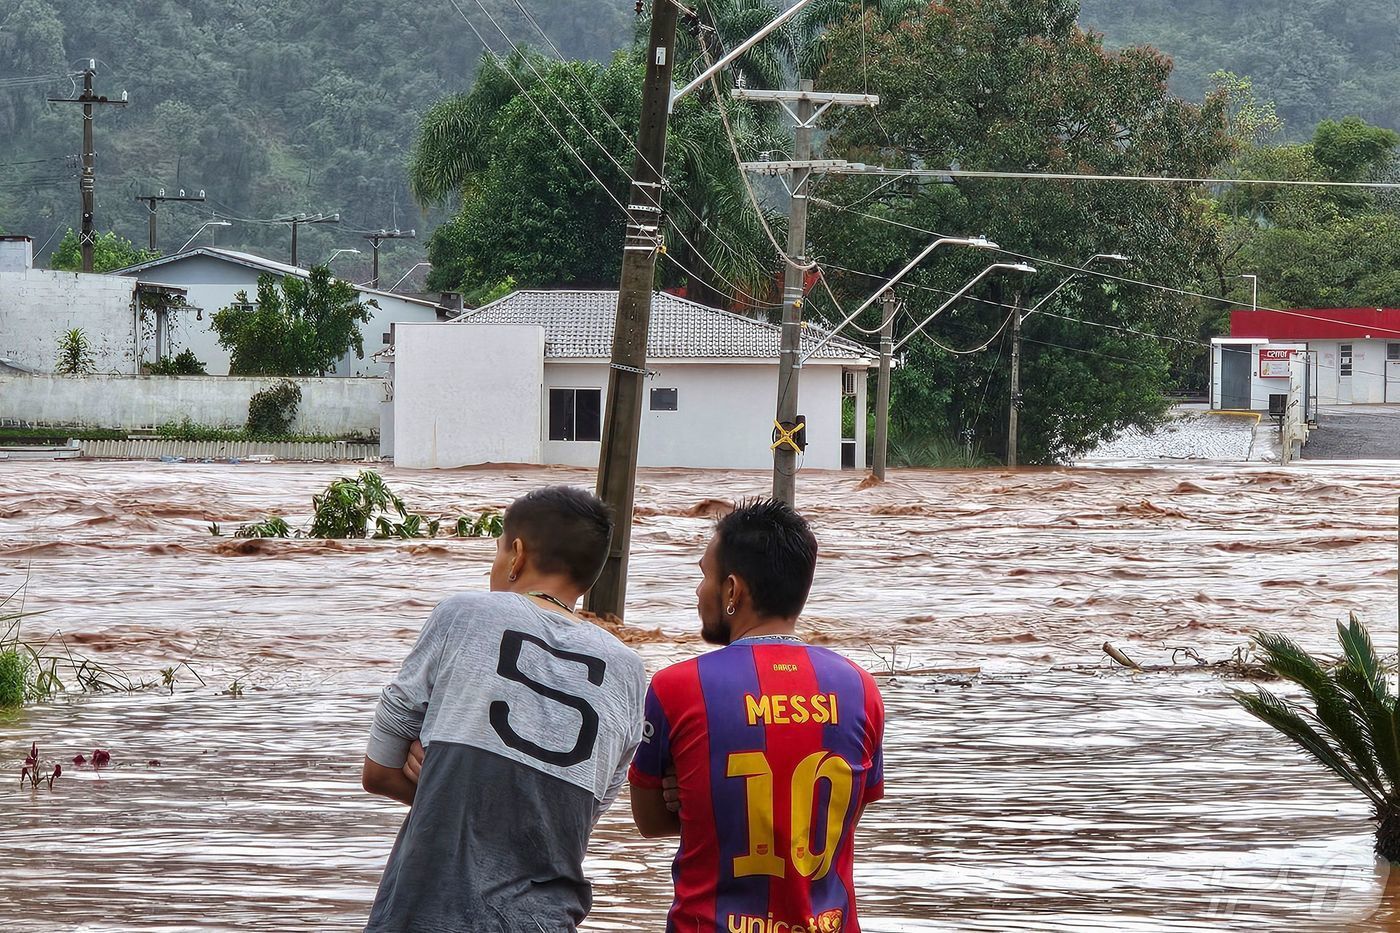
1355,432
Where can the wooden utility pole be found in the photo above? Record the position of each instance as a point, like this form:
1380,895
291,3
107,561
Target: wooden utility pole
154,199
375,238
622,421
297,220
789,438
882,390
87,180
1013,415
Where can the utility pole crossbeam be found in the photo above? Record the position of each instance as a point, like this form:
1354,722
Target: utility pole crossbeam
375,238
622,421
805,106
87,180
154,199
297,220
882,390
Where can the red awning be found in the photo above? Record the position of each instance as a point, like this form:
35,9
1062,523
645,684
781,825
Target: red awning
1318,324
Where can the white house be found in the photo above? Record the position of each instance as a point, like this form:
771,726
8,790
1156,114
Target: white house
213,277
1352,355
39,306
524,379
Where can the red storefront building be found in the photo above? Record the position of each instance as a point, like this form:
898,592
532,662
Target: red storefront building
1352,354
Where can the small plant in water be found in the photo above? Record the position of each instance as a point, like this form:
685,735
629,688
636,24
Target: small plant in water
235,689
273,526
1352,727
32,772
488,524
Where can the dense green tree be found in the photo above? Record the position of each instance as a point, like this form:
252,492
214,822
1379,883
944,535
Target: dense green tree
109,253
998,84
530,207
296,327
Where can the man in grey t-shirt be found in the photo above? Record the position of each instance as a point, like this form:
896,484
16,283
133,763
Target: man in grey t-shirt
528,715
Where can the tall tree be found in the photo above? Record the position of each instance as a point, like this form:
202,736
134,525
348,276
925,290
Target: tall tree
1006,85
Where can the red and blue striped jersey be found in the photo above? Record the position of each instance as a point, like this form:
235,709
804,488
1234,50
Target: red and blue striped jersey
776,746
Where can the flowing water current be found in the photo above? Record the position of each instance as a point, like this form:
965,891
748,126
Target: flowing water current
1032,783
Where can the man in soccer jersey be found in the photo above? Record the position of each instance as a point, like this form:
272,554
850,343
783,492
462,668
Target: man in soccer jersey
529,716
774,744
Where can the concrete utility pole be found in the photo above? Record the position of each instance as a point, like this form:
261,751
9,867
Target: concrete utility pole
87,181
789,438
297,220
882,391
622,421
152,200
375,238
1013,416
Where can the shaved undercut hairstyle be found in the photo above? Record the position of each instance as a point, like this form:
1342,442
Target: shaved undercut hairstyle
770,547
565,529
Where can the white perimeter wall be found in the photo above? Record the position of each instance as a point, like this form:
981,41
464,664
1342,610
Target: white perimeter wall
212,284
724,416
328,406
38,306
465,395
1371,371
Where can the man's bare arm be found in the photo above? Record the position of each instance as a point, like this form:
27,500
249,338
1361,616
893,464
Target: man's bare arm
651,814
388,782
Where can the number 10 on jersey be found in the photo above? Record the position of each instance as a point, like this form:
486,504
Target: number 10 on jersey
761,858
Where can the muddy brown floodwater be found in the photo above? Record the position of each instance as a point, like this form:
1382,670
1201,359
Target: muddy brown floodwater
1049,792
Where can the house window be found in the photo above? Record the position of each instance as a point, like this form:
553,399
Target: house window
1344,359
664,400
1392,352
575,414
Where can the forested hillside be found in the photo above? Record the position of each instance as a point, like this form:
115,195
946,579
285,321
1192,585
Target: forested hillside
271,106
1315,58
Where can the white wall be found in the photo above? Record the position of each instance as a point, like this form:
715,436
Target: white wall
38,306
724,416
465,395
328,406
212,284
1365,386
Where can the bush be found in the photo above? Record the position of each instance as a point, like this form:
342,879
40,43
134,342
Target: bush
74,354
184,364
272,411
14,678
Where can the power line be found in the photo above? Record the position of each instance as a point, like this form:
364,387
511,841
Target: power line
863,169
1107,275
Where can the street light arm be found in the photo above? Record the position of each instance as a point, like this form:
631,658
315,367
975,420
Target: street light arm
738,50
212,223
1116,257
950,302
979,242
408,273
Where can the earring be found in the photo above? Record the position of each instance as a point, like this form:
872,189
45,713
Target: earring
512,578
730,610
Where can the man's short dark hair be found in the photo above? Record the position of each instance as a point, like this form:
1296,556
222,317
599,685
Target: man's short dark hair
565,529
771,548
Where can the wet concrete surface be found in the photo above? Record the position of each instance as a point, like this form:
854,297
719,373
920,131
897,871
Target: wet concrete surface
1051,791
1355,432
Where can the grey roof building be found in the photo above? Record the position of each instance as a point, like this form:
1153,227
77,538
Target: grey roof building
579,325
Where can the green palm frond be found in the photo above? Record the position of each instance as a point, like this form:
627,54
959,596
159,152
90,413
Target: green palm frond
1380,718
1360,653
1332,711
1289,721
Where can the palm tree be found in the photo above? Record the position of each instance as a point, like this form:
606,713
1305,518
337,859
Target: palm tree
1353,726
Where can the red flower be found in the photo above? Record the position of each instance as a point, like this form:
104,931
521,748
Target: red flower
100,757
79,760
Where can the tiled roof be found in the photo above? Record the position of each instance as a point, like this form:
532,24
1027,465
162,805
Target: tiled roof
579,325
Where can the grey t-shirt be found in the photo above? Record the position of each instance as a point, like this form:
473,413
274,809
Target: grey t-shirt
529,720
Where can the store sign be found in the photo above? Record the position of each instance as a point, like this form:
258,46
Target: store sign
1273,363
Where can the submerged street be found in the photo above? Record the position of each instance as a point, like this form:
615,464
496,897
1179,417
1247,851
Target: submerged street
1032,783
